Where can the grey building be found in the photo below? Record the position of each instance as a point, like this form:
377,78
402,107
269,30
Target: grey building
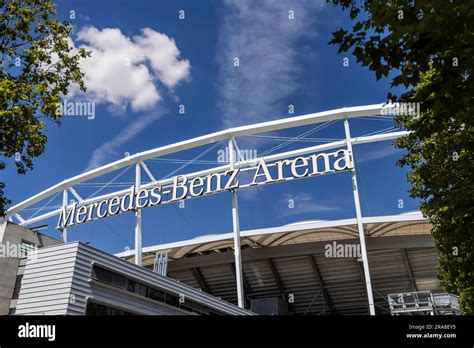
14,238
77,279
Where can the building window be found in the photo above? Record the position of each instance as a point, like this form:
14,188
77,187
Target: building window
119,280
172,300
131,285
141,290
102,274
16,289
100,309
157,295
26,247
122,282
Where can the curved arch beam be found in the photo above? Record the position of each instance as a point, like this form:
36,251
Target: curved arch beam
291,122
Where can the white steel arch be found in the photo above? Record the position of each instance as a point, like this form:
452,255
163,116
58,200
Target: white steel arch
138,158
230,135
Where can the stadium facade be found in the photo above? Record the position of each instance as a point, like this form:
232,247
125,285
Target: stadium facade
351,266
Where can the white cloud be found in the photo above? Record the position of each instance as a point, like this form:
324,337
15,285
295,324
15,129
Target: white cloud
102,154
304,203
379,152
266,42
163,56
124,71
128,72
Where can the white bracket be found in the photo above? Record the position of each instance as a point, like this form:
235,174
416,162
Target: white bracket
75,194
147,171
20,219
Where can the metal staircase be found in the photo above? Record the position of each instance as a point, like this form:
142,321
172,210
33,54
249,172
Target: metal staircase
423,303
160,264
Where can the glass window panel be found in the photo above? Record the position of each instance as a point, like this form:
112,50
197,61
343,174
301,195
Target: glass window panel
119,280
102,274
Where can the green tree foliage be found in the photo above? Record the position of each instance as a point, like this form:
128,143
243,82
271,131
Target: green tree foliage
427,47
36,69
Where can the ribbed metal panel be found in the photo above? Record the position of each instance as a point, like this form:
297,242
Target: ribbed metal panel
47,281
300,283
260,279
423,263
385,263
185,276
221,282
344,284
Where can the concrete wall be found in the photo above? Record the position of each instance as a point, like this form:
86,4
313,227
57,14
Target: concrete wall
9,266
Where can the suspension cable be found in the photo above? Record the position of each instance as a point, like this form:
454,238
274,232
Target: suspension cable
110,182
379,131
308,140
40,209
313,130
191,161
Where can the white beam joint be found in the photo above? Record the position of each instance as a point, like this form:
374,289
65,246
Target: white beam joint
237,150
20,219
148,172
75,194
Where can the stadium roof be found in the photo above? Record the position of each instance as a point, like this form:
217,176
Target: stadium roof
290,259
300,232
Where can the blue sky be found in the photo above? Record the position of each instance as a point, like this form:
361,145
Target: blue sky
190,62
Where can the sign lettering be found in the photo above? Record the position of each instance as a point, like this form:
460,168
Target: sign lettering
183,187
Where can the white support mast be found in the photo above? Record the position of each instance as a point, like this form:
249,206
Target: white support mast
360,226
64,229
138,220
236,228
